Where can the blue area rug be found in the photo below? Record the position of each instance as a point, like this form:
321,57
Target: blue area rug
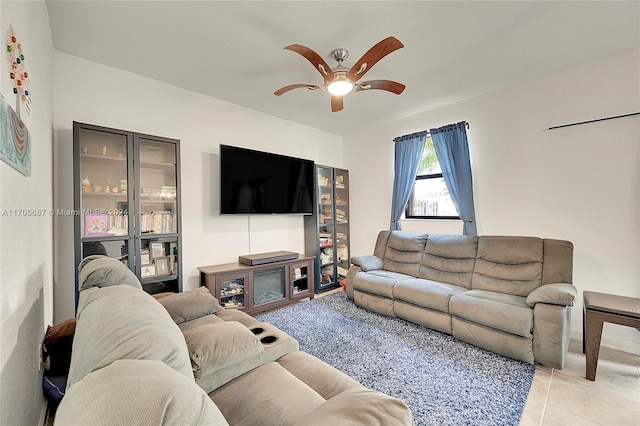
443,380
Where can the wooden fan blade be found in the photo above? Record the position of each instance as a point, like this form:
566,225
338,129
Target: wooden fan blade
388,85
372,56
285,89
336,103
315,59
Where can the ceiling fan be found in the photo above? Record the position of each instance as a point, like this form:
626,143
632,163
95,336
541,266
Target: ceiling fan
339,81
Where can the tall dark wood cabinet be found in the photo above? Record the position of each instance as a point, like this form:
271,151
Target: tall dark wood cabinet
327,229
127,202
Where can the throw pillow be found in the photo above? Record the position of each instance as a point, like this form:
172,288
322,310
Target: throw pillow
219,345
190,305
57,344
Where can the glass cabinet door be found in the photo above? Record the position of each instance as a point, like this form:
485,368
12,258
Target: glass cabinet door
157,186
325,225
104,189
157,212
300,279
341,242
232,291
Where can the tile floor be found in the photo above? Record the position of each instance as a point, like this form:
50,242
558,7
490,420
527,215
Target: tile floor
566,397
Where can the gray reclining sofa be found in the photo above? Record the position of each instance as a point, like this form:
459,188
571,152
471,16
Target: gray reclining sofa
506,294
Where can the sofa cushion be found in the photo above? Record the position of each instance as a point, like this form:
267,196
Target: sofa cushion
216,346
558,262
359,406
190,305
404,252
449,259
122,322
511,265
425,293
131,392
103,271
267,395
375,284
328,381
501,311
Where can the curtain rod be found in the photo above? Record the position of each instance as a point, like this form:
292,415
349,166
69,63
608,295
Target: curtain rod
466,124
594,121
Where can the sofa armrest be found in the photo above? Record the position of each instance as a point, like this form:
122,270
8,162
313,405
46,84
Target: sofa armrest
359,406
367,263
554,294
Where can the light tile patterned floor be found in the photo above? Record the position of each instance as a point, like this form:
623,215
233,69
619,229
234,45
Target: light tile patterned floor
566,397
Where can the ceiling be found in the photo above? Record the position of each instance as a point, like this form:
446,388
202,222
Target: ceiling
233,50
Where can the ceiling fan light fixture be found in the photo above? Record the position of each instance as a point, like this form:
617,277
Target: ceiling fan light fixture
340,87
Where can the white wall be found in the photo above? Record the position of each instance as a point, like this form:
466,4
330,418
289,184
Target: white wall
92,93
26,266
579,183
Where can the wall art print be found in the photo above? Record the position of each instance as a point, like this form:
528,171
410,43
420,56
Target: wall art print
15,140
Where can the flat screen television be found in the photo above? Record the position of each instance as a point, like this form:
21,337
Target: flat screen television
256,182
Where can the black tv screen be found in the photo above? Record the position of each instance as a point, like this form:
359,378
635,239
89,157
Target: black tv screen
256,182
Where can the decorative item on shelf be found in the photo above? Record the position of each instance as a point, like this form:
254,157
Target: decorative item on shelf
104,150
122,151
115,189
86,185
107,187
95,225
97,188
148,271
157,250
162,266
123,186
85,150
144,257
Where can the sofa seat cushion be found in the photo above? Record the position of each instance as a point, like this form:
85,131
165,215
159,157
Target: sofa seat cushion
359,406
380,282
130,392
425,293
267,395
123,322
500,311
216,346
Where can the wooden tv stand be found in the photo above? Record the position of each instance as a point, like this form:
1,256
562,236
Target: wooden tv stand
260,288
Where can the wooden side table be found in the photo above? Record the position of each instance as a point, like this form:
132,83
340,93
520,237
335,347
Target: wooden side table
598,309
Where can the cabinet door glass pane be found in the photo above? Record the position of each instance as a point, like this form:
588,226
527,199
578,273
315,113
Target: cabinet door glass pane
325,224
268,286
103,168
341,244
232,293
299,278
158,187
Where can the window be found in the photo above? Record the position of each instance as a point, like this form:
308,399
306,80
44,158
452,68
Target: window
430,198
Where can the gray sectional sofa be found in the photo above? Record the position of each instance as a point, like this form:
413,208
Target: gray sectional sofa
506,294
185,360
